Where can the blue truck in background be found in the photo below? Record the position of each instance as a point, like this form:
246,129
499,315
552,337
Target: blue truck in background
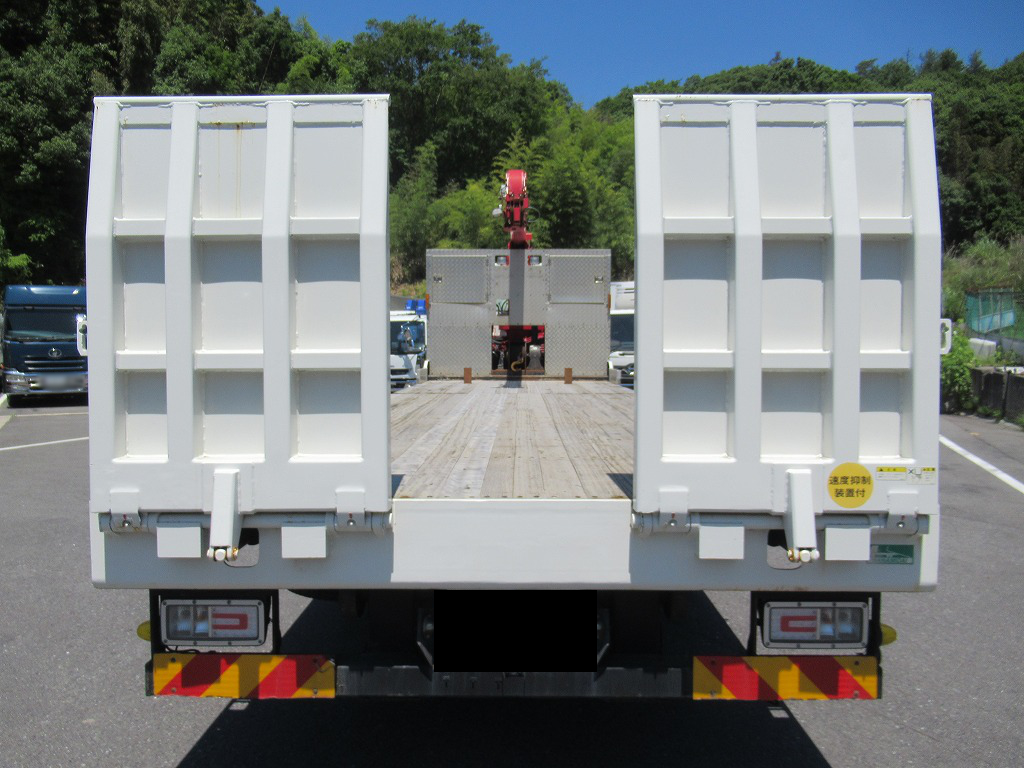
44,341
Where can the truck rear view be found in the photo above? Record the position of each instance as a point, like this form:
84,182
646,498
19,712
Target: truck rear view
785,433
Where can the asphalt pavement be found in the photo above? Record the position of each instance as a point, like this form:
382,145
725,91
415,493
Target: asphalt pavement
71,666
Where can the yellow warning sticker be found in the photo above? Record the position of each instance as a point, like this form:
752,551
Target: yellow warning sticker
850,485
890,474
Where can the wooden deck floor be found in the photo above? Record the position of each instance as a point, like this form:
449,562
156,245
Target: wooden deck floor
494,439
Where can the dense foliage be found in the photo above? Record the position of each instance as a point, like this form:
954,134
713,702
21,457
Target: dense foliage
957,391
461,114
981,266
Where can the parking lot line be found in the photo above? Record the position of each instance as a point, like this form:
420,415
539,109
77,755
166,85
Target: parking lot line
40,445
1013,482
47,413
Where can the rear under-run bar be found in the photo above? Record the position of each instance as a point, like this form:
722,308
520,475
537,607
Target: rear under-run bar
295,676
313,676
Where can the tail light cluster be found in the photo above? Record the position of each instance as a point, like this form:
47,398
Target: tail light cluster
213,622
815,625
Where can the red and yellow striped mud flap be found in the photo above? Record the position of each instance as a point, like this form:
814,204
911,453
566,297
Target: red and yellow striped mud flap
775,678
243,675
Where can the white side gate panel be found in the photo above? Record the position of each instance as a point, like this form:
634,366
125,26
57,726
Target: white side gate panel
238,277
787,302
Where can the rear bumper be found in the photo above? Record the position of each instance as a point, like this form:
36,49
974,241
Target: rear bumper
737,678
241,676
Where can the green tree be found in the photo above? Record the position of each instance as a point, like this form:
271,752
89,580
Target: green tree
463,218
955,375
224,47
780,76
14,268
620,106
138,38
45,113
413,227
322,66
563,196
449,85
983,265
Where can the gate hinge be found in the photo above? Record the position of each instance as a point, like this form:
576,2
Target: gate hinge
660,522
124,511
351,515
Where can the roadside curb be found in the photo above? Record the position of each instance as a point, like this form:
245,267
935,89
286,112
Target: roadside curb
3,400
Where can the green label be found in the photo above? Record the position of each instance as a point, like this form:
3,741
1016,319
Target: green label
892,554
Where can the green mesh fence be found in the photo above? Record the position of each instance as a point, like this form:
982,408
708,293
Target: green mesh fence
996,313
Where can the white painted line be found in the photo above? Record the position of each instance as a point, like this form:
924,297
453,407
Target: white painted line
1013,482
40,445
3,399
44,413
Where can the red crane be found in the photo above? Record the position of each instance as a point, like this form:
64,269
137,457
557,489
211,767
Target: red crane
514,347
516,210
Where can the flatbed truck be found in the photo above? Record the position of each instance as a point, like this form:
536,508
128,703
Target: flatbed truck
781,440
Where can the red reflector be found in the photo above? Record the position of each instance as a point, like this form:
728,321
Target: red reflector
223,621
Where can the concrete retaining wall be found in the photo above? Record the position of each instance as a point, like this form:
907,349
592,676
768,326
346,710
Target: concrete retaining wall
1000,390
1014,397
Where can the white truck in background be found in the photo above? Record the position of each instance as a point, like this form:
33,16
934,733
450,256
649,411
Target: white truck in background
408,344
785,442
622,311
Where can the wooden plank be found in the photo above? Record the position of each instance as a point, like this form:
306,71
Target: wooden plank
415,462
593,443
500,473
466,478
446,445
527,476
560,479
525,439
430,408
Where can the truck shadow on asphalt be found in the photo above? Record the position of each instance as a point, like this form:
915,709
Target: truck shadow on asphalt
506,732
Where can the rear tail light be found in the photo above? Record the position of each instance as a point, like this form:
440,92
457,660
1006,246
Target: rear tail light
815,625
213,622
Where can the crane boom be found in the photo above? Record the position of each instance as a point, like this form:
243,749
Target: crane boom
516,210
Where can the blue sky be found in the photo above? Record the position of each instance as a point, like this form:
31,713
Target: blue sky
598,48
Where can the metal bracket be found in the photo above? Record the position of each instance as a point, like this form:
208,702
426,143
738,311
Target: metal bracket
352,517
225,519
354,522
123,523
350,504
673,516
360,521
124,511
799,517
660,522
903,517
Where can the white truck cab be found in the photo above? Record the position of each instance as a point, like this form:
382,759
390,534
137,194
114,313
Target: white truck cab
408,341
621,306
